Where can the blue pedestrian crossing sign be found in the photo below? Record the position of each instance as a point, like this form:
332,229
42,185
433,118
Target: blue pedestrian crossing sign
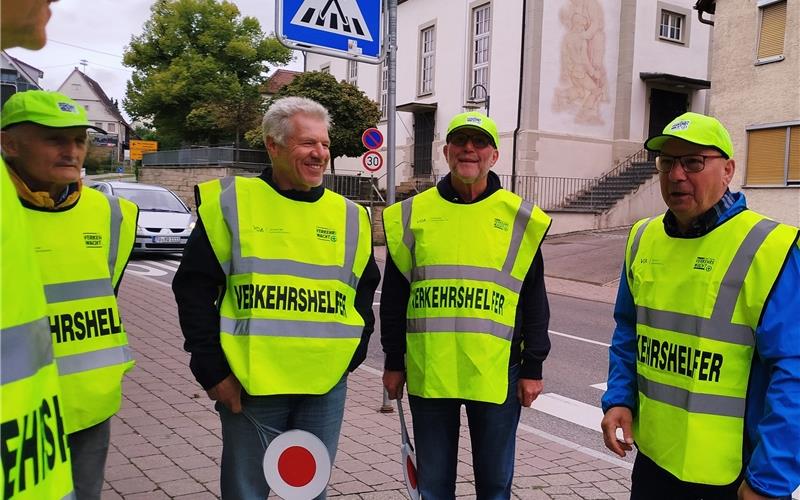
351,29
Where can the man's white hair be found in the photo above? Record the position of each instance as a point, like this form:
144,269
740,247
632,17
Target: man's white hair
277,124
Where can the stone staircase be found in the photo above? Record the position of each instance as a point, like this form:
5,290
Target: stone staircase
409,188
624,179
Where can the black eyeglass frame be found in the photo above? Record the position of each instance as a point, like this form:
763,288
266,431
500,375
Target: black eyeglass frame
680,160
460,139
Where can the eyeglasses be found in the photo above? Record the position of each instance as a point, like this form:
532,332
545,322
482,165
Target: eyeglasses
479,141
690,163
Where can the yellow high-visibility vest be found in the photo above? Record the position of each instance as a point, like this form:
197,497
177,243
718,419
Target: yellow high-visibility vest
698,303
36,460
82,252
466,265
288,323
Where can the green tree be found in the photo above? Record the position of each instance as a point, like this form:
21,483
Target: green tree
195,58
351,110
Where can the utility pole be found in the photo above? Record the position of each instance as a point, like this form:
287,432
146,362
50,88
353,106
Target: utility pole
391,105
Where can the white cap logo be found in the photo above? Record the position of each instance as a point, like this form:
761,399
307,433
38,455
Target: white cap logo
681,125
67,107
474,119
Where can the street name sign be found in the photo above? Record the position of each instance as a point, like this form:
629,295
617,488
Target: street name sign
350,29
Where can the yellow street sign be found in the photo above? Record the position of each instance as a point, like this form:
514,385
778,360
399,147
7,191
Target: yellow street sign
140,147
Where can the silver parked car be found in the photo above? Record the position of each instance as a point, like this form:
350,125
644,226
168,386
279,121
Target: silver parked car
165,221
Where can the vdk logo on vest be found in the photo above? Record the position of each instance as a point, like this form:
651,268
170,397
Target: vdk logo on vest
326,234
704,264
93,240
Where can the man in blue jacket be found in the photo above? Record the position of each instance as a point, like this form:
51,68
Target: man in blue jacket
704,366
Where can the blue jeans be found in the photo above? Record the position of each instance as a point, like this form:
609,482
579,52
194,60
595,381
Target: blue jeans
492,430
242,476
89,450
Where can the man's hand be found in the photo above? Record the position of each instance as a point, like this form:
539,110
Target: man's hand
618,417
393,382
228,392
528,390
747,493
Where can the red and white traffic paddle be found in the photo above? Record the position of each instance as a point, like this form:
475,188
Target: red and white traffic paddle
297,465
409,458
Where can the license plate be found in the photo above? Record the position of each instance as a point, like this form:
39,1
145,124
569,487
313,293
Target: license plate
166,239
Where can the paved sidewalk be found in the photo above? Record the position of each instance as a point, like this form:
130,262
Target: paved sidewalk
166,442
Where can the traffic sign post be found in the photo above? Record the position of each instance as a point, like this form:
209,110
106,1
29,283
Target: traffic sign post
372,161
350,29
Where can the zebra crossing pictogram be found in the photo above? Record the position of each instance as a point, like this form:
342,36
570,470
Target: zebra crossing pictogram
342,17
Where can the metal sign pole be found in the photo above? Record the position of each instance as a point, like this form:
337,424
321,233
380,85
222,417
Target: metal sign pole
391,104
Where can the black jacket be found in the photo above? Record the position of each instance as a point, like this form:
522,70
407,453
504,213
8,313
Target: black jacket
531,342
200,282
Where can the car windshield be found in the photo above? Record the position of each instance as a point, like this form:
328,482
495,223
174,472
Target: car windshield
152,200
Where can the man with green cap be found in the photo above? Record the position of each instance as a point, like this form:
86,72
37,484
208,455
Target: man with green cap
464,313
29,388
82,240
704,365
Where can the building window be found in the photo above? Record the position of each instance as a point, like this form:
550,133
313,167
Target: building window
384,90
427,49
112,127
672,26
326,68
352,72
480,48
771,31
773,156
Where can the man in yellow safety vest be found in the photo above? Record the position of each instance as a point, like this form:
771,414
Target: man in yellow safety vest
704,365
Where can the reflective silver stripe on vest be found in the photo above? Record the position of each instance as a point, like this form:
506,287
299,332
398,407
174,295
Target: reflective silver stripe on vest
725,406
292,268
77,290
226,181
70,496
289,328
635,248
409,240
351,228
24,350
718,326
695,325
520,223
244,265
93,360
460,325
116,229
455,272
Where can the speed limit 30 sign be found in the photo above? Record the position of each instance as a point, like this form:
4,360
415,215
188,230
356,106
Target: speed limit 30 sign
372,161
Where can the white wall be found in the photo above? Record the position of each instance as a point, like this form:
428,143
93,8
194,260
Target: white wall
652,55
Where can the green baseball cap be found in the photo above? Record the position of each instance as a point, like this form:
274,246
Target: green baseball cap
476,121
45,108
695,128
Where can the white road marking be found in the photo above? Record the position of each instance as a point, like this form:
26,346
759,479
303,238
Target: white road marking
569,409
602,387
162,265
142,270
582,339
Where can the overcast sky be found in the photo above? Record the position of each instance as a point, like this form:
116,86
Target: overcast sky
99,30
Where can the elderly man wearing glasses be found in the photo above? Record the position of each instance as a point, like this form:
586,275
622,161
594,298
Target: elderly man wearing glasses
464,312
704,365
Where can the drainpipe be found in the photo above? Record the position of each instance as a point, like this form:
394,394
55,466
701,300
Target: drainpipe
519,99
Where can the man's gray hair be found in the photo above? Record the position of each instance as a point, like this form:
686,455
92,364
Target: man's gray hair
276,122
